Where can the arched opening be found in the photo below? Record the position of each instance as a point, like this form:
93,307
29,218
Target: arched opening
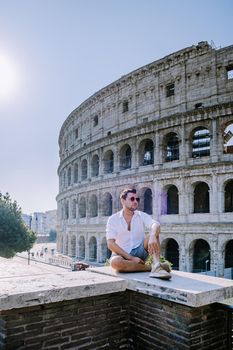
228,196
147,201
228,138
108,162
82,207
95,166
229,254
81,247
66,250
107,204
73,246
84,169
93,206
201,198
201,256
125,157
67,210
105,252
172,253
69,176
75,173
92,249
172,200
171,147
74,208
146,152
201,143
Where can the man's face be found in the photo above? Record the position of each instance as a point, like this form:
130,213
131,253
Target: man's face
130,202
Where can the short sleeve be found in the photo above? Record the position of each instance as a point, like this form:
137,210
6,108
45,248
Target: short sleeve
111,232
147,220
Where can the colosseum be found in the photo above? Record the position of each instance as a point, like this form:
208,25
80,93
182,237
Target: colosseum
166,129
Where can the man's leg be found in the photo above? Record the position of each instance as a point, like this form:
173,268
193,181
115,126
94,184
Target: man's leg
158,270
121,265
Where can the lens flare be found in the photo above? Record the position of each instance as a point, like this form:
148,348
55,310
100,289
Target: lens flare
8,76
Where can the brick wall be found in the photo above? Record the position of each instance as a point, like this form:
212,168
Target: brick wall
157,324
85,324
127,320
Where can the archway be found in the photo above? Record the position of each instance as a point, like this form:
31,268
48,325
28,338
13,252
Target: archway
81,247
201,256
172,253
228,196
147,201
201,198
171,147
73,246
92,249
201,143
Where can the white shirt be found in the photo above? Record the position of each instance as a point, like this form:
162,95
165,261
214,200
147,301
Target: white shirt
117,229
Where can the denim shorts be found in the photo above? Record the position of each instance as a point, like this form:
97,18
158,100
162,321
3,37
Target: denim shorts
139,252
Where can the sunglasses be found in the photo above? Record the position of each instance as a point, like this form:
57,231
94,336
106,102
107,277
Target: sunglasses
135,199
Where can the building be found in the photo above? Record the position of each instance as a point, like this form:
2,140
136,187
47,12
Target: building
41,222
166,129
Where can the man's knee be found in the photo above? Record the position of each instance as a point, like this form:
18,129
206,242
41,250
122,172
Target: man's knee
117,263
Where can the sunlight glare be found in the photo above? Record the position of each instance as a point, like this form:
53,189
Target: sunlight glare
8,76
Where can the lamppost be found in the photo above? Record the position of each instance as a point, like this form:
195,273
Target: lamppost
206,262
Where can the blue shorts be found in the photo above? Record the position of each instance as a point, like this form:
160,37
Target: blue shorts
139,252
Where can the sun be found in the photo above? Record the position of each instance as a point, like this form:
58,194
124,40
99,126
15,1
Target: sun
8,76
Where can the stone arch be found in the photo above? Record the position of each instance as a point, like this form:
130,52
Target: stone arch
171,147
82,207
171,252
84,169
108,162
228,137
201,198
93,205
229,254
107,204
170,200
146,201
66,248
93,249
95,166
200,142
200,254
74,202
105,252
125,157
75,173
73,246
146,152
81,247
228,196
69,177
67,209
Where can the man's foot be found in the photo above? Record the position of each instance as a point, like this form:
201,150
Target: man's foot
158,272
166,266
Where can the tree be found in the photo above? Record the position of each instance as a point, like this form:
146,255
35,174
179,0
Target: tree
52,235
14,235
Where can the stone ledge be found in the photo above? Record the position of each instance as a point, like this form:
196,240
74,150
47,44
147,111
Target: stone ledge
23,287
185,288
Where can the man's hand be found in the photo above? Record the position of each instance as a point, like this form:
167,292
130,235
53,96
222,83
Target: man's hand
153,245
136,260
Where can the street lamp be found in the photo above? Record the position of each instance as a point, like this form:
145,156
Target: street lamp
206,262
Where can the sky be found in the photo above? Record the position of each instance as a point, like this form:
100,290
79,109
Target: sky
54,54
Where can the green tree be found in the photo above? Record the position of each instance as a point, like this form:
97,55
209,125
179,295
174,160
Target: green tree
52,235
14,235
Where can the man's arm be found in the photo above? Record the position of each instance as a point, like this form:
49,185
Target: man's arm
153,243
119,251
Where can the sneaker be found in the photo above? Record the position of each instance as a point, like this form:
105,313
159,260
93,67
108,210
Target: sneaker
158,272
166,266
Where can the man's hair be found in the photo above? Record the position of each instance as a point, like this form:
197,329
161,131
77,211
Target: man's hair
126,191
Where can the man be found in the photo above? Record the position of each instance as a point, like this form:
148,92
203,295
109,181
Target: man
126,239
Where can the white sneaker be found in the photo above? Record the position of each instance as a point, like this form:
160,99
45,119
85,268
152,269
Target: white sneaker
166,266
158,272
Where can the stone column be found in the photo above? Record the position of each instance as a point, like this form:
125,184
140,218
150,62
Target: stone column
213,144
157,155
156,200
214,195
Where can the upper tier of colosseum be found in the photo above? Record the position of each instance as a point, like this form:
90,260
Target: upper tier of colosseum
188,80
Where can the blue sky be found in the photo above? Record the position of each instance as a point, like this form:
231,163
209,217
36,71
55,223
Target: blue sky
60,52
